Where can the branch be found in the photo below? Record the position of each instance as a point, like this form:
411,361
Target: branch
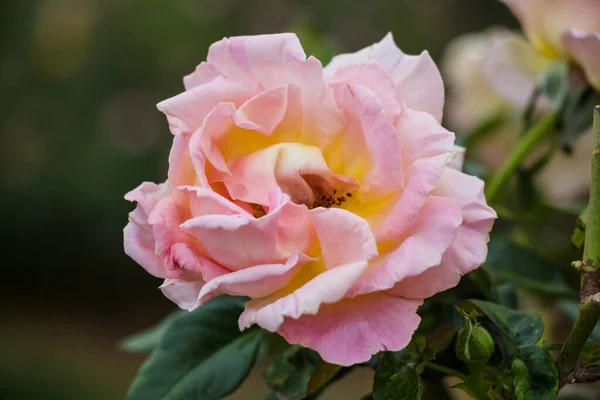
585,374
589,295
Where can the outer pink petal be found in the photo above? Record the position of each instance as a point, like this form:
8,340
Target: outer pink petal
344,237
138,239
256,281
352,330
182,292
269,60
204,73
327,287
240,241
186,111
422,247
417,79
147,195
585,50
139,245
468,251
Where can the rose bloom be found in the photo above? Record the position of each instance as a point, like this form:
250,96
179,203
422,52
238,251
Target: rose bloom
494,73
564,29
326,195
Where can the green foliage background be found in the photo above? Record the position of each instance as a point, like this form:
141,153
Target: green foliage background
79,80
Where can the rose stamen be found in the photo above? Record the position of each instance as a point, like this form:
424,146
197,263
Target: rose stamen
329,200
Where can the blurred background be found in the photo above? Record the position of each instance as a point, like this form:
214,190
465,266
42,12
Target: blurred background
79,80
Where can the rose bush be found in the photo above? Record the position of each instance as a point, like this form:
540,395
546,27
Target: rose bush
328,196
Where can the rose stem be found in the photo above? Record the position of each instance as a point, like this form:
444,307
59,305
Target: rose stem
589,295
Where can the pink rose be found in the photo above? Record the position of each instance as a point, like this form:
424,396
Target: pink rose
324,194
564,29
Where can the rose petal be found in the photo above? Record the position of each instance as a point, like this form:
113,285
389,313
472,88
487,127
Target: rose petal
268,61
422,247
368,128
183,293
256,281
545,21
186,111
240,241
344,237
147,195
186,166
418,81
227,132
426,148
298,170
469,249
372,76
329,286
179,250
512,66
139,245
204,73
204,201
352,330
585,50
138,240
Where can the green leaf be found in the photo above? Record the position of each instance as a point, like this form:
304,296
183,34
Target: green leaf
534,374
523,328
148,340
397,378
202,355
508,261
521,380
298,372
